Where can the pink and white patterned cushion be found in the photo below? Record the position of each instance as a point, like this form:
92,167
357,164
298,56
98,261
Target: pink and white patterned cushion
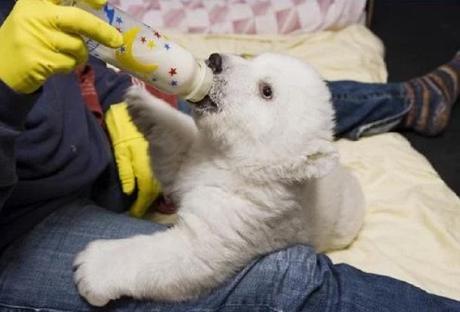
245,16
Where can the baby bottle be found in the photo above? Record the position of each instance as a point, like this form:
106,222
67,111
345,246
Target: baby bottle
149,55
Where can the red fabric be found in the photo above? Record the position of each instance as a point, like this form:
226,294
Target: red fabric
86,78
171,99
165,205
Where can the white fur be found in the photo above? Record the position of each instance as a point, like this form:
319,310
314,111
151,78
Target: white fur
255,176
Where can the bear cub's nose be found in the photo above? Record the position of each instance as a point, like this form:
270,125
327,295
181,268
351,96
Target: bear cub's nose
215,63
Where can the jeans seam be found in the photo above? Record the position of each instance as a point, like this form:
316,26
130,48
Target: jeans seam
382,122
246,305
359,98
37,309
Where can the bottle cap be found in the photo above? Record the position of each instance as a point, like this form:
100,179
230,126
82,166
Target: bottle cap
202,83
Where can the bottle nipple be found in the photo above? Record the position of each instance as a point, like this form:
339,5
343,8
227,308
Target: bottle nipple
201,84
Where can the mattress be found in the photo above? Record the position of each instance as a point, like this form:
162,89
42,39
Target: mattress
411,229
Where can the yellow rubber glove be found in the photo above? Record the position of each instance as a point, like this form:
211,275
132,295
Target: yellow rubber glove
132,158
40,38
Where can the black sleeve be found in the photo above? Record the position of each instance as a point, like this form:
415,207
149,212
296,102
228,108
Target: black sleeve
14,108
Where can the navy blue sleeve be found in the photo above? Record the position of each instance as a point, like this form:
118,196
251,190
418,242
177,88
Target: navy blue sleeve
14,108
111,86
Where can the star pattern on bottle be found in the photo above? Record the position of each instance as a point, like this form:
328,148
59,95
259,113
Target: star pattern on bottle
157,34
119,20
173,71
119,29
143,40
174,83
151,44
167,46
122,49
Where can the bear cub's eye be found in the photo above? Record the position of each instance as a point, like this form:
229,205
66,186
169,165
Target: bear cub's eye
265,90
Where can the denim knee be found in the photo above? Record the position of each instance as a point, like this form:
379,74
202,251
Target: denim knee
291,279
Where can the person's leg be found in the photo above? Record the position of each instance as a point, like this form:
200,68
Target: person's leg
36,275
422,104
363,109
433,96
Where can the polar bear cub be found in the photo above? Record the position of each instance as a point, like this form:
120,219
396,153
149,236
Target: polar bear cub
253,171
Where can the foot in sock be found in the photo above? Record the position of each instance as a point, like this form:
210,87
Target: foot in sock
432,97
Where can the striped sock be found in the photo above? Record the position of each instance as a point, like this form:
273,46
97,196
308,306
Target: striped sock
433,96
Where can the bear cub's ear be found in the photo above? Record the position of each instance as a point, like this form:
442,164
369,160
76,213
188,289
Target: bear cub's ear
319,158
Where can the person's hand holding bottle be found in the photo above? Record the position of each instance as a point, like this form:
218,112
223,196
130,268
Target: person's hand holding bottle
40,38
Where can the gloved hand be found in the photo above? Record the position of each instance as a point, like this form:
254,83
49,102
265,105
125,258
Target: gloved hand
132,158
40,38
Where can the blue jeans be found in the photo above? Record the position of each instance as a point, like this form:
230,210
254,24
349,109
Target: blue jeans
36,275
362,109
